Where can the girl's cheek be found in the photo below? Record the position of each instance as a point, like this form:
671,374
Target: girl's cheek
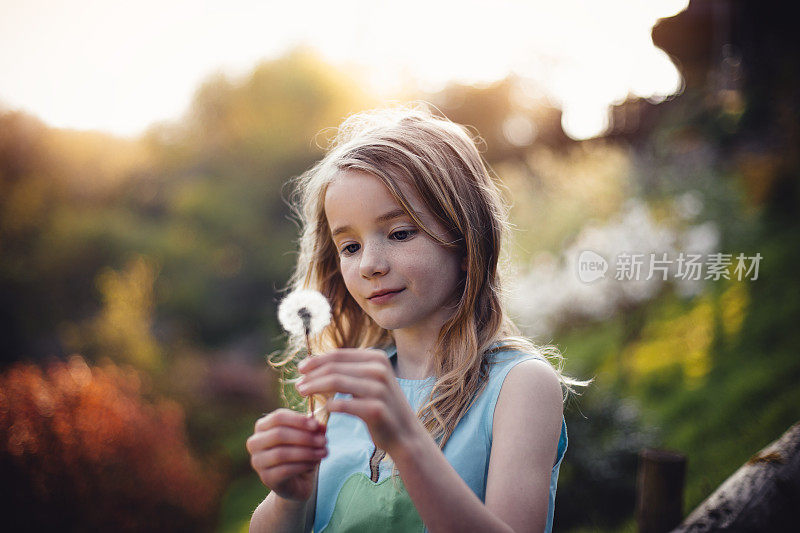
346,267
348,270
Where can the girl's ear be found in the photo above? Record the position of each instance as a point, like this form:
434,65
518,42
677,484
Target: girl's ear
464,263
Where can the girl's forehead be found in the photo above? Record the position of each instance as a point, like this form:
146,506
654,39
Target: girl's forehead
355,193
349,175
356,186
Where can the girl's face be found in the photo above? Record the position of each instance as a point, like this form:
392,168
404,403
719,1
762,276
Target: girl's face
401,277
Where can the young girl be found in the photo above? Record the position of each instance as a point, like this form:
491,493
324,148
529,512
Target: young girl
426,375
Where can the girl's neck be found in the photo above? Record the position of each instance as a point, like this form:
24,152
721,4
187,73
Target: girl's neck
415,346
414,355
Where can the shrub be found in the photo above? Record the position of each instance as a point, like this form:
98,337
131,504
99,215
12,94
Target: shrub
82,449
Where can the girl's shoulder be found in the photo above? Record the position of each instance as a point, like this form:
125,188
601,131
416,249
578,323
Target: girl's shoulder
502,356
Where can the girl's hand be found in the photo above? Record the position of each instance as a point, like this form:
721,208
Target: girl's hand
285,450
376,397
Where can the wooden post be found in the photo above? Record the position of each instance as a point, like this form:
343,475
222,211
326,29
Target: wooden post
659,490
763,495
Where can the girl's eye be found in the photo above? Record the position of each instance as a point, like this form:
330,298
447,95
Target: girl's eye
403,234
350,249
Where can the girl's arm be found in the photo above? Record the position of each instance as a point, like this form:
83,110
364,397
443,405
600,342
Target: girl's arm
526,427
525,433
279,515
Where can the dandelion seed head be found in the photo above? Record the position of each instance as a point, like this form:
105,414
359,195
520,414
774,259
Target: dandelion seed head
304,309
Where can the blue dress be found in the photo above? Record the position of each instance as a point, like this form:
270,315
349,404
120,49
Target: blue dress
356,491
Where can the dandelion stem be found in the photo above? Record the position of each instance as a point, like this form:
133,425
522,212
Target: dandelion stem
308,354
305,315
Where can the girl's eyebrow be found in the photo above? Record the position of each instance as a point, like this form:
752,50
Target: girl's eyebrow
391,215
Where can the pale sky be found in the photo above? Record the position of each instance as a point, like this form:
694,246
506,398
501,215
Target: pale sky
121,66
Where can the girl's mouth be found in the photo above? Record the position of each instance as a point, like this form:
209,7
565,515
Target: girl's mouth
384,296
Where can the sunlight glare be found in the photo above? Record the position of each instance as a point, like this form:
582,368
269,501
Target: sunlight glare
119,67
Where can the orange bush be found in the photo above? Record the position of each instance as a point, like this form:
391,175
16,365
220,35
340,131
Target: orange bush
80,449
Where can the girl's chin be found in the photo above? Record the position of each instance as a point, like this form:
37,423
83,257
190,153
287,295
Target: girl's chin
389,323
391,327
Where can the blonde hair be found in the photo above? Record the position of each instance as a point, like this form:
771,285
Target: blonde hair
441,163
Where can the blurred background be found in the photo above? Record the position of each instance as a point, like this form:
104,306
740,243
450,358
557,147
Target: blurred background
145,236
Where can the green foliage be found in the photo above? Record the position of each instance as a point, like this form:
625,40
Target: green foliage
240,500
713,377
596,488
122,329
203,198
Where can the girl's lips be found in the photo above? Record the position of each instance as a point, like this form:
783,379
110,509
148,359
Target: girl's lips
385,297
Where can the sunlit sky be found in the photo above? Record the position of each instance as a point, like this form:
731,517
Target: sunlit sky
120,66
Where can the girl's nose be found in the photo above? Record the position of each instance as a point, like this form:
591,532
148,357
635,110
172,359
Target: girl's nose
373,262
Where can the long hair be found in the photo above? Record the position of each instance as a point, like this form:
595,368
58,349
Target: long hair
441,163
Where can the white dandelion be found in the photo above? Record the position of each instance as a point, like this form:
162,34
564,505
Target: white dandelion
304,312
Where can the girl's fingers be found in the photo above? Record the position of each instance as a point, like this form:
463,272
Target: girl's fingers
286,417
280,455
284,435
345,384
359,379
370,370
343,356
366,410
290,469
